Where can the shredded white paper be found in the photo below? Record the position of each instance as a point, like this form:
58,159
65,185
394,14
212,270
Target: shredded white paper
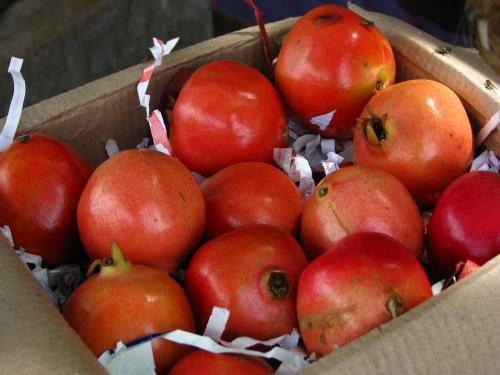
301,142
482,32
332,163
295,128
111,147
143,144
217,323
486,161
487,129
155,120
322,121
310,153
327,145
437,287
283,158
300,171
312,147
58,283
16,104
159,133
138,359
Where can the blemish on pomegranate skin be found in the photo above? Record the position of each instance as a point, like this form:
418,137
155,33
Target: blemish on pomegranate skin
323,340
327,18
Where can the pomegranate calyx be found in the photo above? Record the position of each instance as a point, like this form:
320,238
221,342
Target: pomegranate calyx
374,127
395,305
323,191
119,262
276,283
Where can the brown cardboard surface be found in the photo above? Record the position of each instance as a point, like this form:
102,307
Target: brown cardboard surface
34,337
453,333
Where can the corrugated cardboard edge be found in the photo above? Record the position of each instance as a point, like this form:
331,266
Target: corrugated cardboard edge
456,332
34,337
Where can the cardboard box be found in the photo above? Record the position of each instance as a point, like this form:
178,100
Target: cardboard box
455,332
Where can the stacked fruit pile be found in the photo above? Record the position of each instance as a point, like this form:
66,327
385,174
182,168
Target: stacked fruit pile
336,264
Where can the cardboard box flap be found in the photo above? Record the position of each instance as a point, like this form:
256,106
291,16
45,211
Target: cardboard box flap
420,55
35,338
456,332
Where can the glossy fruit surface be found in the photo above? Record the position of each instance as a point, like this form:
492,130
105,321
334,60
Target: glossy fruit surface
226,113
419,132
146,201
126,302
364,280
41,180
253,272
359,199
333,60
203,362
465,223
251,193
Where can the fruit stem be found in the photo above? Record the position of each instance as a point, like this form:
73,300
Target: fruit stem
395,305
277,284
118,263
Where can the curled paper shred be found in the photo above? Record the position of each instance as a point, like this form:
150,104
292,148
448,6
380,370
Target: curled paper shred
332,163
346,150
16,104
143,144
58,283
217,323
322,121
312,146
310,153
327,145
111,147
159,133
438,287
486,161
292,360
155,120
63,281
302,141
296,129
137,358
300,171
487,129
283,158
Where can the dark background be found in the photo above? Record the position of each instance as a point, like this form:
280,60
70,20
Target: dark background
67,43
